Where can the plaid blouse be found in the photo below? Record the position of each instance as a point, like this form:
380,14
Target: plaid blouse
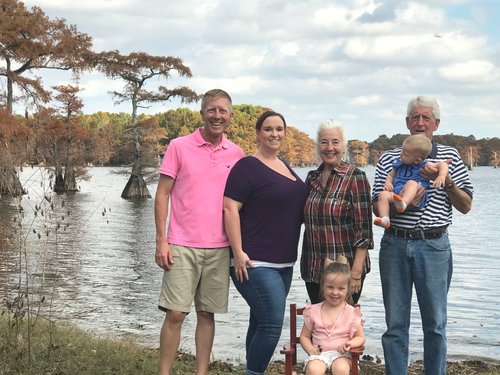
337,218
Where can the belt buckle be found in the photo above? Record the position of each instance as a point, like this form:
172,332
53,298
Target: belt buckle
411,235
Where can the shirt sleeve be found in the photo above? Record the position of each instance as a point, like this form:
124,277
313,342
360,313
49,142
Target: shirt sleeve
362,207
238,184
459,174
308,320
356,322
171,161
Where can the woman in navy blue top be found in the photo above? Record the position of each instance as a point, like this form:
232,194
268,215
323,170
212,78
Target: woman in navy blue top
263,208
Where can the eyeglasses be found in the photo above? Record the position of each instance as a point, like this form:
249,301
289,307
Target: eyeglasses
326,142
425,118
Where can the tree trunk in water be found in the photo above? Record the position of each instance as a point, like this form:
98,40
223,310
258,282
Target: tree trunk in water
59,183
136,188
70,180
69,176
69,171
10,185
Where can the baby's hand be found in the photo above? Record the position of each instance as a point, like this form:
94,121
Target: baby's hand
439,182
388,187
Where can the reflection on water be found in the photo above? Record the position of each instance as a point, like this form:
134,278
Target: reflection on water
98,268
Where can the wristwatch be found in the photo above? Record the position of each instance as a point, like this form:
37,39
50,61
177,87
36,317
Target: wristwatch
449,187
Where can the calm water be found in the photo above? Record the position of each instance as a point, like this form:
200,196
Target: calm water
100,272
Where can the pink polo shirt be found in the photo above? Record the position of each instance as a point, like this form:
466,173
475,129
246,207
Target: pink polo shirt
200,172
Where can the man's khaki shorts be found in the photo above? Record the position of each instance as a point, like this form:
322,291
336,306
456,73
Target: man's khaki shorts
197,274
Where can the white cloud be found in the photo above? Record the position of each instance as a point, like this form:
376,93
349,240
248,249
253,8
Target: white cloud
419,15
358,61
84,4
364,100
474,70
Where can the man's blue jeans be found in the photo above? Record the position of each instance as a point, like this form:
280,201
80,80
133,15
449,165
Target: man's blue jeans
265,292
428,265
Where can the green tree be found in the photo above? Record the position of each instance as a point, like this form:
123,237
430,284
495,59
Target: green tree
178,122
299,149
136,69
104,131
70,109
242,127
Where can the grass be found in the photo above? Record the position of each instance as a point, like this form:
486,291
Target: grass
57,349
61,349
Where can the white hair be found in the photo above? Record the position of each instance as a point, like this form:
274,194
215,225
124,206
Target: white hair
424,101
332,124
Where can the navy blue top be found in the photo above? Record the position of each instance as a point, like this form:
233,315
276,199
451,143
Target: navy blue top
272,211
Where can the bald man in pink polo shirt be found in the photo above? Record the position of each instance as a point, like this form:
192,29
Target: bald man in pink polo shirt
194,253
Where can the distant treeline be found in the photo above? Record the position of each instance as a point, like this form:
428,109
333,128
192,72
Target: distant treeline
107,139
104,139
474,152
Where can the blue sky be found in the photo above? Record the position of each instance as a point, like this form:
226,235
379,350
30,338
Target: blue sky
484,14
356,61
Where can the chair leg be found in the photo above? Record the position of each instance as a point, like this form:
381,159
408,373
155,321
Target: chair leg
288,364
354,363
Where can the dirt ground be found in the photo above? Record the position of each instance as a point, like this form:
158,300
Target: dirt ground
370,367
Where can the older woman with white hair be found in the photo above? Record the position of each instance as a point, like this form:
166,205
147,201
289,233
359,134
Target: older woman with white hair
337,214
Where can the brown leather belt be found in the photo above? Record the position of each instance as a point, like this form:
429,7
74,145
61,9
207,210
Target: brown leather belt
418,234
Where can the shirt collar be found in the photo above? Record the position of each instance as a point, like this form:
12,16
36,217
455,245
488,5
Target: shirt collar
201,142
433,153
341,169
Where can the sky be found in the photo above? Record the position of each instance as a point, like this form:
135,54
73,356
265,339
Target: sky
358,62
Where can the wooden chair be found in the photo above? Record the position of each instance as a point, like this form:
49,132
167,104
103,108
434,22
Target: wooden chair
290,350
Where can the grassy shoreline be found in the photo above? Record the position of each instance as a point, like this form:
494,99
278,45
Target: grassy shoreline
61,349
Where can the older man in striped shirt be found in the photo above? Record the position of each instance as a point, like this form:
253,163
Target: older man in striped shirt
415,250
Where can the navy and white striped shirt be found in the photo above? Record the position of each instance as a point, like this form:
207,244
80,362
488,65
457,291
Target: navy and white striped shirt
438,211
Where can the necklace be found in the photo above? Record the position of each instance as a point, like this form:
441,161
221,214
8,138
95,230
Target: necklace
329,330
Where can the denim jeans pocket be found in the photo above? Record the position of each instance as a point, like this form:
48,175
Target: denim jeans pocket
439,244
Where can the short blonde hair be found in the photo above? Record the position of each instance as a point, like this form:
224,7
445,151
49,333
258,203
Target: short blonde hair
215,94
420,144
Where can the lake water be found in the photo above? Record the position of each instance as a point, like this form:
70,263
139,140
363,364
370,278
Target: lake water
101,276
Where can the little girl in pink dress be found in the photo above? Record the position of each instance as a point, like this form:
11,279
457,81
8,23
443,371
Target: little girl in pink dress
332,327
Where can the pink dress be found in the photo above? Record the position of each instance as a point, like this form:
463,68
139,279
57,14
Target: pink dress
331,337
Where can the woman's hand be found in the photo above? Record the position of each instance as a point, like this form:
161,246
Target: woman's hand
241,262
355,284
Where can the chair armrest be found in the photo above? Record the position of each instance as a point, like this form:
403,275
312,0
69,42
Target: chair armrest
288,349
357,350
